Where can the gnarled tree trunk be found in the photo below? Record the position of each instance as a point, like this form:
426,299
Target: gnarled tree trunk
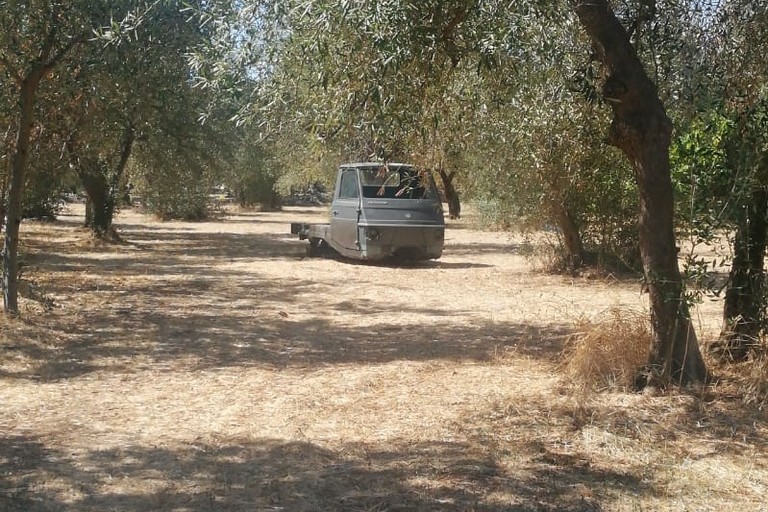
101,200
451,195
572,243
101,184
28,78
27,95
743,311
642,130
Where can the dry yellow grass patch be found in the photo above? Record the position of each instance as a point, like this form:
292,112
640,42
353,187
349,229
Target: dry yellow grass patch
747,380
606,352
210,366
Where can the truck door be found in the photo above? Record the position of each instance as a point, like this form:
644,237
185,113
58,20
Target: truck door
345,210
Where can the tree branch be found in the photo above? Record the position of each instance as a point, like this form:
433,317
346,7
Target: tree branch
59,56
50,38
45,60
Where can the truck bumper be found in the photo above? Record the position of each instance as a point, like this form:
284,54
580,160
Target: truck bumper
411,243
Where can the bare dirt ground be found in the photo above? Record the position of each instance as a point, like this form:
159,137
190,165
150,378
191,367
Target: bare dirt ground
211,367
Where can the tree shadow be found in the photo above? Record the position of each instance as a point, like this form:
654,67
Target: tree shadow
694,425
726,425
235,316
20,460
471,249
272,474
249,319
225,334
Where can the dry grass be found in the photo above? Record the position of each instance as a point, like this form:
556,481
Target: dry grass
755,385
747,380
605,353
210,366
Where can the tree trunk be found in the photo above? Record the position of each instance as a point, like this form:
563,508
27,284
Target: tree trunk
100,200
562,216
10,135
451,195
273,202
574,248
3,204
101,186
44,61
27,95
88,222
743,311
642,130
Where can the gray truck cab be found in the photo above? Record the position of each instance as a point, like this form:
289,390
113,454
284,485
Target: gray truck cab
380,211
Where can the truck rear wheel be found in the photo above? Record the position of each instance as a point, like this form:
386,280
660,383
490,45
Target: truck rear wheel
317,247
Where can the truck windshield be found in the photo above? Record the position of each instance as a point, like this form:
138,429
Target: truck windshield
395,183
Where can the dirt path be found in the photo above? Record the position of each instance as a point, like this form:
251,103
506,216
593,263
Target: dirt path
209,366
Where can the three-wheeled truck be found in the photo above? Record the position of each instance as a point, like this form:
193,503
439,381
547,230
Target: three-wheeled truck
380,210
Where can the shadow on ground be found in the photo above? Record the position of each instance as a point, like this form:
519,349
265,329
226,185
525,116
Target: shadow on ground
247,318
221,336
234,317
269,474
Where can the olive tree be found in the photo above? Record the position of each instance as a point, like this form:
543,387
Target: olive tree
642,130
745,301
366,67
36,38
135,102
